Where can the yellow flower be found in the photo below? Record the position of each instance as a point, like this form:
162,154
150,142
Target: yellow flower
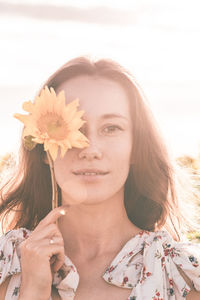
53,123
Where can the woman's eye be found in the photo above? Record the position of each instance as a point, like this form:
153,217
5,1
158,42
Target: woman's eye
112,129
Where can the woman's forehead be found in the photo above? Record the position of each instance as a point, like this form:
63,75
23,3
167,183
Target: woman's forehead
97,95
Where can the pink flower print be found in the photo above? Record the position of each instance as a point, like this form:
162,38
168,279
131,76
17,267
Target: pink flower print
156,297
171,282
140,234
25,233
145,274
125,280
111,269
172,251
166,252
163,262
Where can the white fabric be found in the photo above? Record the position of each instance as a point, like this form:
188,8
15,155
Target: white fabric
147,265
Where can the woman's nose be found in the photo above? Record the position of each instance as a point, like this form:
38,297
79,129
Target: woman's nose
91,152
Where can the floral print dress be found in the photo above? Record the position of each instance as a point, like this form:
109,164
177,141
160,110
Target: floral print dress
147,265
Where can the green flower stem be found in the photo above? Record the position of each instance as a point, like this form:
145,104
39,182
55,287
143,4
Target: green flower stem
53,182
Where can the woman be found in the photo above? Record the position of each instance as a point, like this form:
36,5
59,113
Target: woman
107,239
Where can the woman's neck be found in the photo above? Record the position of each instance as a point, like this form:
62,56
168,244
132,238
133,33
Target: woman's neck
92,230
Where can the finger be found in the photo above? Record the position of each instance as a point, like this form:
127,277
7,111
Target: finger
56,240
53,215
42,232
57,251
52,259
58,263
42,247
42,237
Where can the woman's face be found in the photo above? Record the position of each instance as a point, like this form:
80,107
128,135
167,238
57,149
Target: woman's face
98,172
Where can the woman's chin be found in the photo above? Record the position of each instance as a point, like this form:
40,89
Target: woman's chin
72,202
74,194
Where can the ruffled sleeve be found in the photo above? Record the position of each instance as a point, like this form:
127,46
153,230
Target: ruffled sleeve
149,264
186,256
65,280
162,257
10,260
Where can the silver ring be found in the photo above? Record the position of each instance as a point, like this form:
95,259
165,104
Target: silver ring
51,241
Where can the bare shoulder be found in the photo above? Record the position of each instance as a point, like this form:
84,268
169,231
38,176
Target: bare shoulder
193,295
3,288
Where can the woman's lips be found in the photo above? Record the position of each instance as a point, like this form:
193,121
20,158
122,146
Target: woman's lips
90,174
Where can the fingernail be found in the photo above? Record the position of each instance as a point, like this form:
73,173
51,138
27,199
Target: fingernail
62,212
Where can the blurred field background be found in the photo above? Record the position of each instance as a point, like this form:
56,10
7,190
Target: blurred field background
159,41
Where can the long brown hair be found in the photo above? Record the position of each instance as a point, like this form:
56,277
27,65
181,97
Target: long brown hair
150,198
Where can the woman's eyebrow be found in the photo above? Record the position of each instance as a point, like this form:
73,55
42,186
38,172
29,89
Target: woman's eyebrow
109,116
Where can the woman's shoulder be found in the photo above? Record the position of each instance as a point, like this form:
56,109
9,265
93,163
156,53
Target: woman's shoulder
164,238
10,253
10,240
179,260
183,253
19,232
156,266
4,287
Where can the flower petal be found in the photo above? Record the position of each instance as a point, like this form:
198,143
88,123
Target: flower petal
53,150
63,150
23,118
61,105
70,108
28,106
75,124
38,140
53,123
78,140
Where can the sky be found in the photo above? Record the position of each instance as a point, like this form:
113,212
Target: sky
159,41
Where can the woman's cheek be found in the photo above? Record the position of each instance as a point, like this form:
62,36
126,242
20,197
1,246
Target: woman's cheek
73,193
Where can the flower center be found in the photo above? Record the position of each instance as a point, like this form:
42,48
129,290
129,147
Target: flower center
53,125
